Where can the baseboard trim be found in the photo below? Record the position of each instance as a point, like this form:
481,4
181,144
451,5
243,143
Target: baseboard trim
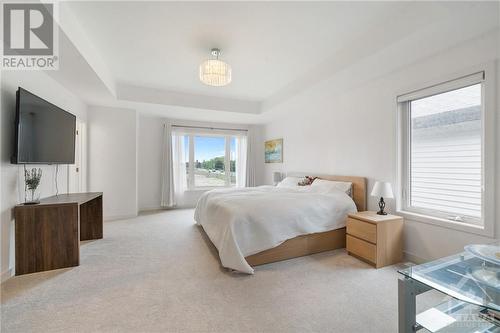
150,209
6,275
118,217
414,258
153,209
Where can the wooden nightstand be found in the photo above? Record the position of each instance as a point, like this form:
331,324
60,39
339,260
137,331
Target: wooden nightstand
376,239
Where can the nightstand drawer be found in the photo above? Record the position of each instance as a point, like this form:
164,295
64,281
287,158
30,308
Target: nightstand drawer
363,230
362,248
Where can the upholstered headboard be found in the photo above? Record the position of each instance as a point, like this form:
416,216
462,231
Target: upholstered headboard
358,186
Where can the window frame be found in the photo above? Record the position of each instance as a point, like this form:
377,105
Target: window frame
486,225
191,185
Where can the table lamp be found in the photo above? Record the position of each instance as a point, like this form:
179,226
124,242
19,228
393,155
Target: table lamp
382,190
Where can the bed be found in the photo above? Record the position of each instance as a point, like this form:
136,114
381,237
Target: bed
259,225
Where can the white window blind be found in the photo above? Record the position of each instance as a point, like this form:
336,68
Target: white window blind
465,81
444,163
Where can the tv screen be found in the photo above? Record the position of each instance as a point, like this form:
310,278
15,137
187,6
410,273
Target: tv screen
45,133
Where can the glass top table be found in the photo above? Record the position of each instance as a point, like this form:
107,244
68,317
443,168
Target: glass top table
465,277
462,276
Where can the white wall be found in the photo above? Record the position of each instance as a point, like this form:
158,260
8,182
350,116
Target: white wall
112,159
12,178
150,138
149,150
347,126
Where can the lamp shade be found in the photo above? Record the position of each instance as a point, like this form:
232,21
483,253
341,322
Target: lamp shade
276,177
214,72
382,189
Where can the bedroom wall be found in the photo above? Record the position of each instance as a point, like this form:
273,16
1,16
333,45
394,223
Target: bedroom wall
149,159
346,125
12,178
149,173
112,159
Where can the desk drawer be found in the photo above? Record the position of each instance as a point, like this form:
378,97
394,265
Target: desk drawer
361,248
363,230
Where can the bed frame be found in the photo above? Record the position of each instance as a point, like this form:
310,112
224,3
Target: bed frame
317,242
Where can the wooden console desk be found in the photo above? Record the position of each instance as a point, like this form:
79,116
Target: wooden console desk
48,234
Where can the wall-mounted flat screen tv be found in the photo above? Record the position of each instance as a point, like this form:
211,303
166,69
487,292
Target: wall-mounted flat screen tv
45,133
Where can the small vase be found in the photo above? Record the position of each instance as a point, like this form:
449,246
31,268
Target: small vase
32,197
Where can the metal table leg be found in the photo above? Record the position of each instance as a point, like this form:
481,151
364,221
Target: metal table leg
408,289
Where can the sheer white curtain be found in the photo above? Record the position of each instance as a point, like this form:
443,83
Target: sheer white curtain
250,159
245,162
173,168
167,176
179,167
241,161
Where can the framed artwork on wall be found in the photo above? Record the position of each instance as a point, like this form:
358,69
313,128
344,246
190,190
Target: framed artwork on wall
273,151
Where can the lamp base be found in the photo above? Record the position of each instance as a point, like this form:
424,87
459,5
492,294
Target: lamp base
381,205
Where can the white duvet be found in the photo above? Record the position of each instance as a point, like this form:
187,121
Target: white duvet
244,221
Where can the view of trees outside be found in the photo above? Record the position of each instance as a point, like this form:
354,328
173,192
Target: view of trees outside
209,166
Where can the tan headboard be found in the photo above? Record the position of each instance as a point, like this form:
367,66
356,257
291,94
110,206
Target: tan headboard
358,187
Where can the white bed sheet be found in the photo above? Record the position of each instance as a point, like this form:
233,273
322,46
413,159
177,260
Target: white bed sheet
244,221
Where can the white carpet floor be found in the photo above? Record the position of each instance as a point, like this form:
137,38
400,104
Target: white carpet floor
159,273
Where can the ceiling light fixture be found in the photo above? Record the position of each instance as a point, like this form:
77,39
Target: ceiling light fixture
215,72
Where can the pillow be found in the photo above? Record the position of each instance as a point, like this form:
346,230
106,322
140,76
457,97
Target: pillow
308,180
325,186
290,182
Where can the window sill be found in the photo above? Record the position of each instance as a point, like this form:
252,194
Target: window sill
444,223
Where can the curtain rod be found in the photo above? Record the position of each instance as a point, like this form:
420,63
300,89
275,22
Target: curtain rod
213,128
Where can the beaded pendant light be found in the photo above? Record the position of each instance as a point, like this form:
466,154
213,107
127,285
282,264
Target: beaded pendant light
215,72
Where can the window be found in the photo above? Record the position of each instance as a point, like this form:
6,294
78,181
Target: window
212,160
442,162
209,161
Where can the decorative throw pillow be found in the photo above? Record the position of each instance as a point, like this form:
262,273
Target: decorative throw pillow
308,180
